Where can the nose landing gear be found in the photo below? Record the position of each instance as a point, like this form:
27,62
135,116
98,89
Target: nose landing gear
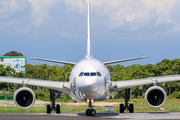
90,111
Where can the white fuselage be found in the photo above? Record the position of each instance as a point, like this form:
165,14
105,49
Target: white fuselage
89,79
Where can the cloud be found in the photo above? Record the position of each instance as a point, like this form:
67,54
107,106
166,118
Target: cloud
40,13
76,4
9,8
41,17
136,13
14,16
35,11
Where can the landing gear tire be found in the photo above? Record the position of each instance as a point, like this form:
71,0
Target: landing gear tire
121,107
48,109
58,109
88,112
131,108
93,112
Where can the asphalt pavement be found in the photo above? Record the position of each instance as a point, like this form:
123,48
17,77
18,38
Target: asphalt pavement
99,116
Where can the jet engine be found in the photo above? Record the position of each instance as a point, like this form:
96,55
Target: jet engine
155,96
24,98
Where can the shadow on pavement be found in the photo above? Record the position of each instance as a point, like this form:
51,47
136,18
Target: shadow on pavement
101,114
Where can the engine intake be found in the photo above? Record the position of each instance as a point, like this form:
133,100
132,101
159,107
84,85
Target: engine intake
24,98
155,96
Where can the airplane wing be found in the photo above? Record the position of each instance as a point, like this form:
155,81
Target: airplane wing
56,61
59,86
120,85
124,60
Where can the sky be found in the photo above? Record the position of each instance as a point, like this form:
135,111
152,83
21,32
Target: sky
120,29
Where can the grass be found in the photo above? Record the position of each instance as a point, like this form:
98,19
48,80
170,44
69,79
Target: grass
139,106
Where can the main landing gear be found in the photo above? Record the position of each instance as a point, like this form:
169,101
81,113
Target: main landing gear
90,111
129,107
53,106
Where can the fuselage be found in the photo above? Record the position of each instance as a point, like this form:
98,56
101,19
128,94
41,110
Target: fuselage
89,79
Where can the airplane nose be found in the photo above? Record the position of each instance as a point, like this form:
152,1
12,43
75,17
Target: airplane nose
88,81
88,86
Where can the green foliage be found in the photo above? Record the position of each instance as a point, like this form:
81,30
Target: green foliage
6,71
175,94
64,99
3,92
46,72
40,95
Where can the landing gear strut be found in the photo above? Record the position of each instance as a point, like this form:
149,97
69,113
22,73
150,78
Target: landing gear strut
53,106
129,107
90,111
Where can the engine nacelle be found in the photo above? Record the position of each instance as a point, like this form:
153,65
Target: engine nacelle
24,98
155,96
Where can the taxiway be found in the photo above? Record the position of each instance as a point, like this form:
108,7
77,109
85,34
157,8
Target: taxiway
82,116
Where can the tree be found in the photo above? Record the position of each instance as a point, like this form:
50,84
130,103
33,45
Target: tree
13,53
6,72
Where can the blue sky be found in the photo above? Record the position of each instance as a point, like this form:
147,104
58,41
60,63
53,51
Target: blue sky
57,29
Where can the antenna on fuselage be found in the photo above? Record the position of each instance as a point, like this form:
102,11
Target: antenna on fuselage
88,55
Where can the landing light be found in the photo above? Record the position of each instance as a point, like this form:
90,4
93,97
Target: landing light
92,100
87,100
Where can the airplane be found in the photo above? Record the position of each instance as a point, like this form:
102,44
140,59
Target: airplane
90,81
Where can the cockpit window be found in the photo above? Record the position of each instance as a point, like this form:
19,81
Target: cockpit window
86,74
98,74
81,74
93,74
90,74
